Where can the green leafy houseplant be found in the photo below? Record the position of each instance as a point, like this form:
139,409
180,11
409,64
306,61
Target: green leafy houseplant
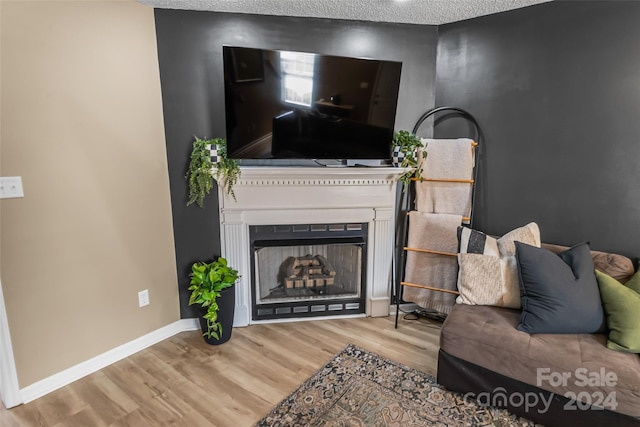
207,281
408,143
199,174
227,170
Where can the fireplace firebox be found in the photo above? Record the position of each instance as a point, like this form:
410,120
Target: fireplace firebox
306,270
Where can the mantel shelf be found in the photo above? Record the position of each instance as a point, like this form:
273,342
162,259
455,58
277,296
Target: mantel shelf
269,172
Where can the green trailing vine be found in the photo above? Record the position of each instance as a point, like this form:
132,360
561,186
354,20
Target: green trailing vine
207,281
227,170
409,144
199,173
200,176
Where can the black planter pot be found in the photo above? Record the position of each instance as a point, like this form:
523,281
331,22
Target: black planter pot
226,309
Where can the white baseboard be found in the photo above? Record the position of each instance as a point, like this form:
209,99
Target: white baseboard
63,378
74,373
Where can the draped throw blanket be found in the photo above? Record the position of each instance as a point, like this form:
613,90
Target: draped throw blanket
434,232
440,208
446,159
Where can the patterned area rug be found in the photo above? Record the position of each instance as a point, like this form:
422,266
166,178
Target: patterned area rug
358,388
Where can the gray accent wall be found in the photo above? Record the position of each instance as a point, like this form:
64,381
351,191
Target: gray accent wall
556,89
191,72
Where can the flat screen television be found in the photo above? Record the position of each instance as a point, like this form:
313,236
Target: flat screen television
287,105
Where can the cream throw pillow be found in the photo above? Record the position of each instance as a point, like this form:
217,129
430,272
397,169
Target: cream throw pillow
489,278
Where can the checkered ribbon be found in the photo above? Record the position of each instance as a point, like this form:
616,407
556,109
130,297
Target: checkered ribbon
215,157
397,157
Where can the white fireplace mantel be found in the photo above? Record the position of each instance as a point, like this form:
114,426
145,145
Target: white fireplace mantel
308,195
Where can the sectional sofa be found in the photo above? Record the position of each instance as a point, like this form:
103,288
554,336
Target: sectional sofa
550,378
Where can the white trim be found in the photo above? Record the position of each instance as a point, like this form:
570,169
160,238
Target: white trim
311,195
9,387
379,306
74,373
63,378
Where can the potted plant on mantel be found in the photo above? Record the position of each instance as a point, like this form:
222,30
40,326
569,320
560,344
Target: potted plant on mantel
212,288
405,155
206,155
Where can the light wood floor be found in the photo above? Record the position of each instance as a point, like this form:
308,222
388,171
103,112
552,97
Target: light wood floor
182,381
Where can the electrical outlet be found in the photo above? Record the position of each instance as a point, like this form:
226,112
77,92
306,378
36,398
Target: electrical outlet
11,187
143,298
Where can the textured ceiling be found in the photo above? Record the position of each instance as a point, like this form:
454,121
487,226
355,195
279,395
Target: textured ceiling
432,12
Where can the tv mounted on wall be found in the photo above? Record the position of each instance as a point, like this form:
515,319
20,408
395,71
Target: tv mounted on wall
285,105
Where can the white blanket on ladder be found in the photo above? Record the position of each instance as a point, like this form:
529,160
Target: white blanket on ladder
441,207
446,159
435,232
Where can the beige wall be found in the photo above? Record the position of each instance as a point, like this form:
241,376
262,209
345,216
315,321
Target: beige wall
81,122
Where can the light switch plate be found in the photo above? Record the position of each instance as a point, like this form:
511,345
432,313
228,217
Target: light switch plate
11,187
143,298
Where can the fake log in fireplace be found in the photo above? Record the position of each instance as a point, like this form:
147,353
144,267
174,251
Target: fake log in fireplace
306,270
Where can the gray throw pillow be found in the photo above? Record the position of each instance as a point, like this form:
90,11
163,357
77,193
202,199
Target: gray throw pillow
559,293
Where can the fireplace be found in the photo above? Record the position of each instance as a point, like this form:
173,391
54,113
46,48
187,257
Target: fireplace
302,270
302,200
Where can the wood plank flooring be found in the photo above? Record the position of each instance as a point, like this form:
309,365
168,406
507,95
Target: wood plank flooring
182,381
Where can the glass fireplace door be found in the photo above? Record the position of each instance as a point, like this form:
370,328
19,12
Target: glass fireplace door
304,277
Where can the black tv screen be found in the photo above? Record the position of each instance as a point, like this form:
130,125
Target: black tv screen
297,105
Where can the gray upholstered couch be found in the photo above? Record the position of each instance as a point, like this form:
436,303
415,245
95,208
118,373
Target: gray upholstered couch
484,356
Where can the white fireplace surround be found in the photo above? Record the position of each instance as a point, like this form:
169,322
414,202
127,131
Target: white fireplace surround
308,195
